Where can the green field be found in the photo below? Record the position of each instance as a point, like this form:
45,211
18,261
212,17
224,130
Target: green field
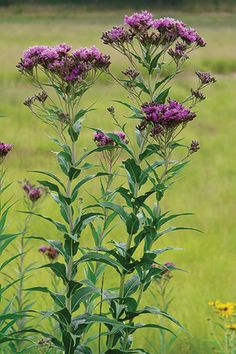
207,186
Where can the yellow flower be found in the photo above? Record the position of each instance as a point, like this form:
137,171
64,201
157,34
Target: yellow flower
231,326
225,309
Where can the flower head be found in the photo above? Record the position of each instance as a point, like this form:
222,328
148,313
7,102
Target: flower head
60,61
231,326
117,36
194,147
172,29
198,95
131,73
51,252
205,78
139,21
179,52
4,150
102,139
32,192
167,115
224,310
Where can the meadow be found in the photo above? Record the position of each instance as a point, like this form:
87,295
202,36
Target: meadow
206,187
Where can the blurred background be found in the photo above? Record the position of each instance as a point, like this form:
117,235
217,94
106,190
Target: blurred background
207,187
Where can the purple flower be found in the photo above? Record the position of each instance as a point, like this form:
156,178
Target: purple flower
92,56
205,78
51,252
43,249
198,95
167,115
58,60
116,36
179,52
171,29
168,27
132,74
4,149
32,192
102,139
194,147
169,265
31,57
188,35
139,21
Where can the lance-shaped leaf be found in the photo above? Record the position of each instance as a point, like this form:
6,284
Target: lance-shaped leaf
155,311
174,228
6,239
137,112
59,299
102,258
61,227
161,98
117,208
81,296
58,268
131,285
49,174
83,181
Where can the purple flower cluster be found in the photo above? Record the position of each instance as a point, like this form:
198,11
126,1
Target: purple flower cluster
32,192
51,252
60,61
117,35
102,139
139,21
172,29
179,52
4,149
167,115
205,78
152,31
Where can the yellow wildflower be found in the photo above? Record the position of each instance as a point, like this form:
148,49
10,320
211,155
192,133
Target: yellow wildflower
231,326
225,309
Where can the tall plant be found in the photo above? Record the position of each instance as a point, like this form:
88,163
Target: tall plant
8,318
156,50
64,76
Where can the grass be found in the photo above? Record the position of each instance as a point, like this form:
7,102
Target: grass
207,185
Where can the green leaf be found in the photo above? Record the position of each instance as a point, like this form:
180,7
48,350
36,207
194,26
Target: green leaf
161,98
53,187
58,268
117,208
149,150
5,240
61,227
133,169
49,174
137,112
9,260
81,296
85,180
154,62
131,285
102,258
132,224
64,160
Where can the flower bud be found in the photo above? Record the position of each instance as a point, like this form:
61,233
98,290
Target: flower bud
194,147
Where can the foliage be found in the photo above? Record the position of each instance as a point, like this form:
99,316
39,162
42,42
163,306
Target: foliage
150,160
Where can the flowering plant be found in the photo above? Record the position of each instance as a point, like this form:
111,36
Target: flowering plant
156,50
223,327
